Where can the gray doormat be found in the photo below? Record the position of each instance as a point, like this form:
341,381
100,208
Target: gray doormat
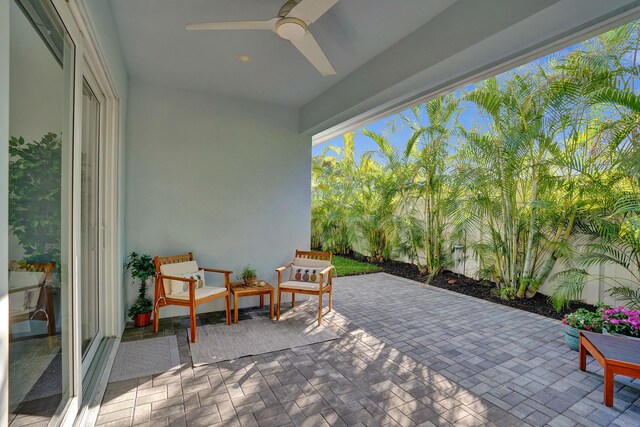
145,357
31,359
219,342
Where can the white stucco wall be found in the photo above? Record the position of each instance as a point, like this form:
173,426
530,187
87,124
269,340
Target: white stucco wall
595,290
225,178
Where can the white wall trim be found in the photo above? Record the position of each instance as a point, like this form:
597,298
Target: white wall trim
97,63
91,63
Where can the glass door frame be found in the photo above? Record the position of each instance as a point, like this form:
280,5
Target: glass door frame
90,64
96,90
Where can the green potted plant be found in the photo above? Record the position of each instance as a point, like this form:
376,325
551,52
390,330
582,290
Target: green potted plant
621,321
581,319
141,268
249,275
35,196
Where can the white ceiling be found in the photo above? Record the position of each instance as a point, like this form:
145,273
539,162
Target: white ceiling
157,47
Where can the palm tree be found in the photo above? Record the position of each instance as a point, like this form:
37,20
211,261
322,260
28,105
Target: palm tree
607,70
331,192
375,197
428,205
518,164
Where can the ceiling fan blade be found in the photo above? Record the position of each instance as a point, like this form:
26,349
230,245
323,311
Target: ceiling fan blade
310,10
238,25
310,48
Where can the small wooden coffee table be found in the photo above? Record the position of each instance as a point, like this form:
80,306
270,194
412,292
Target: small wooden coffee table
239,289
617,355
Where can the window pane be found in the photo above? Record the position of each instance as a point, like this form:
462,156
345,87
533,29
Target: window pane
89,305
39,215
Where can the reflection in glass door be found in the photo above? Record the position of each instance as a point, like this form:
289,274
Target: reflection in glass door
40,169
90,219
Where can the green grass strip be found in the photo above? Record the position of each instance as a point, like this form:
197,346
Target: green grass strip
351,267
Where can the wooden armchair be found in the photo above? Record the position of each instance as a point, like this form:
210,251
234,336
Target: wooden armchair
310,275
174,274
30,293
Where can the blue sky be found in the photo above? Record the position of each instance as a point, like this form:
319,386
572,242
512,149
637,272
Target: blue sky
469,117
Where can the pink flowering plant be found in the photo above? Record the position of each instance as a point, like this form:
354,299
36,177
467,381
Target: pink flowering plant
619,320
584,319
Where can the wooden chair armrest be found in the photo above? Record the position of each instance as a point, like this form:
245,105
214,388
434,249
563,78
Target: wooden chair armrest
279,270
226,273
26,288
324,272
191,282
216,270
283,268
327,270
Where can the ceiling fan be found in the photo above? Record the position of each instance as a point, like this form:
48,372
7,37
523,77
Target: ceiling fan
291,24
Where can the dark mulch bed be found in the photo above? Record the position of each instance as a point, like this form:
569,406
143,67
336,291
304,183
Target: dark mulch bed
539,304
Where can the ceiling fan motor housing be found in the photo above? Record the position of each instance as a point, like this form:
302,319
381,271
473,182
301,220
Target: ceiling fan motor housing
291,29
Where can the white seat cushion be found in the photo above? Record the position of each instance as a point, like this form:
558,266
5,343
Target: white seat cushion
22,302
23,279
304,286
177,269
203,292
178,287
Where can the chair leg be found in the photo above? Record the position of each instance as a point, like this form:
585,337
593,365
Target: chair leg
228,306
320,309
192,319
330,298
51,320
156,315
293,299
279,304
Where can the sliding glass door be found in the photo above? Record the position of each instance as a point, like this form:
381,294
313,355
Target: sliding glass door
63,238
56,216
42,71
91,244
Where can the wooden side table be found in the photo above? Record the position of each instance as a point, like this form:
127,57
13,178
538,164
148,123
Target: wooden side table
617,355
239,289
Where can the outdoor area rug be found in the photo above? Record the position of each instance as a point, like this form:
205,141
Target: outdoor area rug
220,342
30,360
145,357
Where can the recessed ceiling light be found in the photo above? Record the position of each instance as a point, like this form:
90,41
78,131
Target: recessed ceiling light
245,58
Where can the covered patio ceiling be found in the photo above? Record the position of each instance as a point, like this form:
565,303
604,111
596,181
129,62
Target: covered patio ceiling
386,53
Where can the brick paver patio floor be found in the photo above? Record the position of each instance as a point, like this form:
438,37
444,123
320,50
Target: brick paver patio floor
407,356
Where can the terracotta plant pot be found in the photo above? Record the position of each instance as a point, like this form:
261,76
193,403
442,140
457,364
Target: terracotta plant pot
249,280
142,319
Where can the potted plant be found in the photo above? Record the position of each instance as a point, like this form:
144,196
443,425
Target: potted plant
581,319
141,268
249,275
34,196
620,321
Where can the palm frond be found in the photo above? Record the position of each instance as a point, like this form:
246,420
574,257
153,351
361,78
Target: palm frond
630,296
